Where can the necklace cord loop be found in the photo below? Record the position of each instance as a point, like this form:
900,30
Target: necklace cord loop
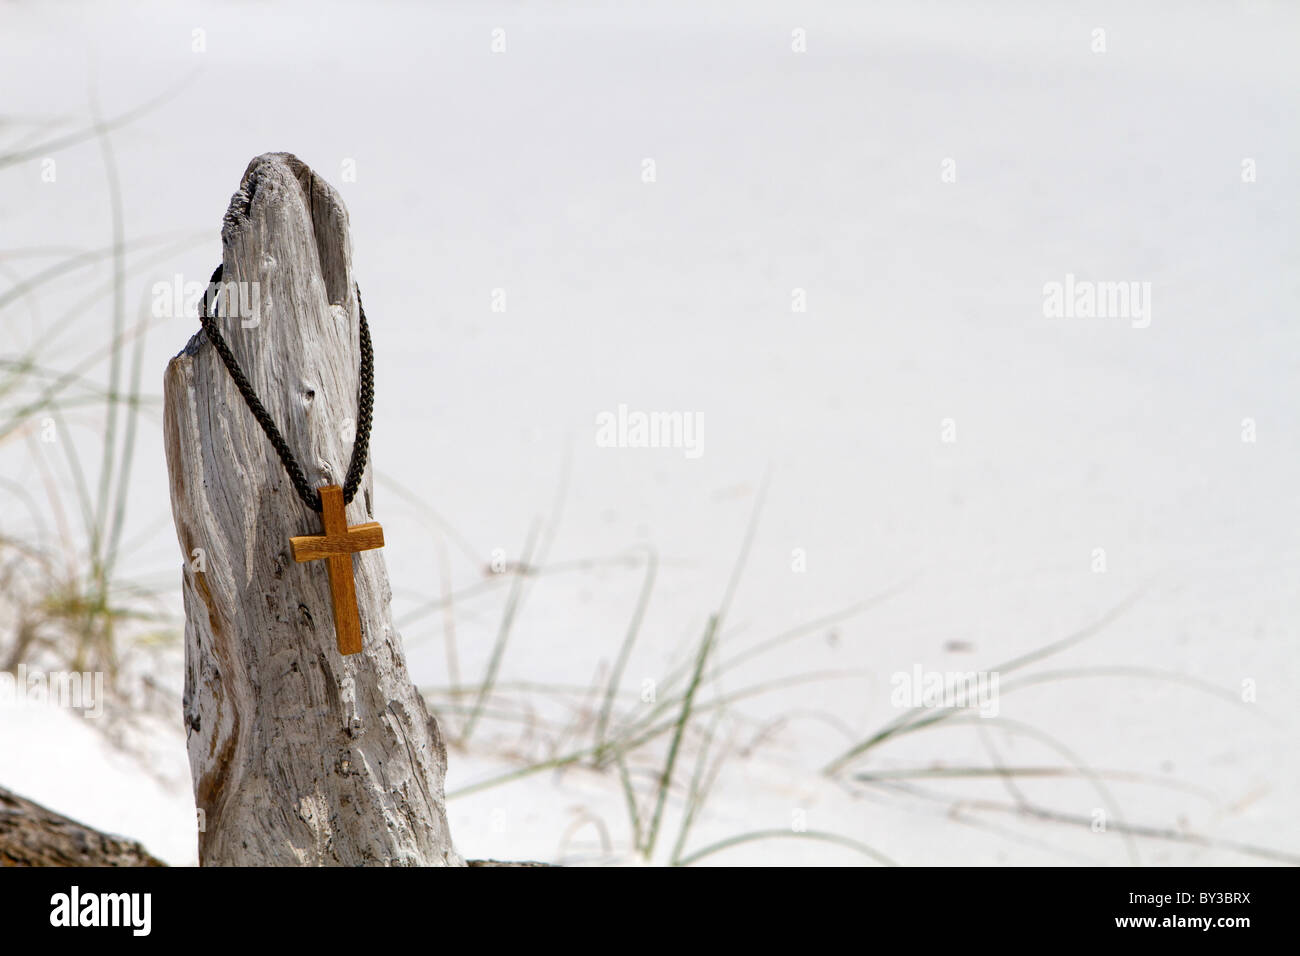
365,401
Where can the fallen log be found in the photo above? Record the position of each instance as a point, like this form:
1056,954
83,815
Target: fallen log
32,835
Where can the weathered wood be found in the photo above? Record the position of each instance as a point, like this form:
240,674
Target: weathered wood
336,546
31,835
299,756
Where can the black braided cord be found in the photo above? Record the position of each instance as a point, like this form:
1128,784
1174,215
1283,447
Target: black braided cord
365,402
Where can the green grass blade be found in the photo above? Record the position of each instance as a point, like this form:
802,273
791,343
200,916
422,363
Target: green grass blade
625,651
679,730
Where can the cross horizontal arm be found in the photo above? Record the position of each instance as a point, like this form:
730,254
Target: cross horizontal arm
359,537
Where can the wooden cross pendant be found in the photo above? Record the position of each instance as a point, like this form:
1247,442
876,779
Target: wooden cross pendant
336,546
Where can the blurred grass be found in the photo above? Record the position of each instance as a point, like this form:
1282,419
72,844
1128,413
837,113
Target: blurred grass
624,733
66,600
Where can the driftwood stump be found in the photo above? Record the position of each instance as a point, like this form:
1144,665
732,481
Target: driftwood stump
299,756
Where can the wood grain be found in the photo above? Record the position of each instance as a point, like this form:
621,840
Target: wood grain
361,537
